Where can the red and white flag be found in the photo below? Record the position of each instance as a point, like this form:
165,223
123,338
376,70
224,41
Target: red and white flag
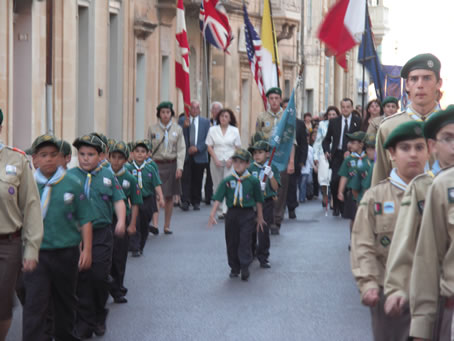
343,27
182,58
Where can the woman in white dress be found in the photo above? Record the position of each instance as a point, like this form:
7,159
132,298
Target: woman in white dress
222,141
324,172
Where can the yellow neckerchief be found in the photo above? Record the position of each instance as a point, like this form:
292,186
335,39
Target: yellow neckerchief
238,195
414,115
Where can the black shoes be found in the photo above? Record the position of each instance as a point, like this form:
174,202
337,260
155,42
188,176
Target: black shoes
184,206
336,212
167,231
154,230
291,214
120,299
136,253
196,207
100,329
274,231
244,274
265,265
234,274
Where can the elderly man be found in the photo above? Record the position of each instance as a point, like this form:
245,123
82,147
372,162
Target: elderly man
195,130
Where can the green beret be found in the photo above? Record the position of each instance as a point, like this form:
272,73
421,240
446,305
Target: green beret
141,143
356,136
425,61
1,117
91,141
103,139
43,140
258,136
276,91
390,99
165,104
131,145
65,147
242,154
369,140
260,145
111,143
437,121
149,144
406,131
120,147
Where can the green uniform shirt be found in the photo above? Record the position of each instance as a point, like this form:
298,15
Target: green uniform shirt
349,169
252,193
68,209
255,169
152,164
131,189
363,177
150,178
104,192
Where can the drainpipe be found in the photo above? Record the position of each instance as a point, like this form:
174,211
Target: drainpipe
49,38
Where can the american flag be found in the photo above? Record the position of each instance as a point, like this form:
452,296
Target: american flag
214,24
254,54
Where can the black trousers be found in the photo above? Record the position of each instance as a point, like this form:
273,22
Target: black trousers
263,248
51,289
93,284
139,239
208,183
335,164
119,258
292,199
192,181
239,226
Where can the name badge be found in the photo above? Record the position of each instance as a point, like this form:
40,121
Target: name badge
68,198
388,207
107,182
125,184
11,170
232,183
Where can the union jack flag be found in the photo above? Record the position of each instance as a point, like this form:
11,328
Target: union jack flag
214,24
254,54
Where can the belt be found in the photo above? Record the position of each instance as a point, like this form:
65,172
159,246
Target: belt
165,161
11,236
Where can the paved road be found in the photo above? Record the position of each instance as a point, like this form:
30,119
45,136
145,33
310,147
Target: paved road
180,290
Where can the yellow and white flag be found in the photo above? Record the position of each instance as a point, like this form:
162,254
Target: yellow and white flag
270,56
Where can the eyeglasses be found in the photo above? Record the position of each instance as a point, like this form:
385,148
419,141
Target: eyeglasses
448,140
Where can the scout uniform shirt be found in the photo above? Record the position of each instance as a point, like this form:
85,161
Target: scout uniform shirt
131,189
67,210
383,164
19,200
251,191
150,178
350,165
401,252
372,232
361,180
168,148
103,191
266,122
433,265
374,124
256,170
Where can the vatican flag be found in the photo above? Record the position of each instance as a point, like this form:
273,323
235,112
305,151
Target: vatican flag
270,57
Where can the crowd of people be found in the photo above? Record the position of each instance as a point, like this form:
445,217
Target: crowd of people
67,233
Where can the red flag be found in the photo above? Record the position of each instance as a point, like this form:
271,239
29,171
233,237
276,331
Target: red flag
343,27
182,58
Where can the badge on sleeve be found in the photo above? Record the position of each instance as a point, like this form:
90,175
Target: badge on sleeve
377,208
11,170
107,182
255,173
385,241
388,207
267,124
232,183
421,206
451,195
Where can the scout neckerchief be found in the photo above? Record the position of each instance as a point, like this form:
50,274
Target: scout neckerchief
238,195
262,172
48,183
275,115
87,184
166,132
396,180
359,157
120,172
149,159
418,117
105,163
435,169
139,172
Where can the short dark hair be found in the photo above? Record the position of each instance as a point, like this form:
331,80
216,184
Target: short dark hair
346,99
231,114
330,108
158,112
307,114
285,100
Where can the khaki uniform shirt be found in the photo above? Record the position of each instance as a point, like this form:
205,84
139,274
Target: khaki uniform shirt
401,252
383,164
19,201
266,122
433,265
374,124
372,234
176,148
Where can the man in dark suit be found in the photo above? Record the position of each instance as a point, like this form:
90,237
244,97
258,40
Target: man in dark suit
335,145
195,130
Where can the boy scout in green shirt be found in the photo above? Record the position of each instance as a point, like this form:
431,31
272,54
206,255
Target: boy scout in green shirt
118,156
261,170
67,214
439,129
150,185
106,196
242,193
375,223
362,179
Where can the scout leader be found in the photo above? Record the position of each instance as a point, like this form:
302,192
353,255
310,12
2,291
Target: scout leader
242,192
169,154
150,185
21,228
361,181
375,223
106,197
439,129
390,106
261,170
67,215
118,156
422,83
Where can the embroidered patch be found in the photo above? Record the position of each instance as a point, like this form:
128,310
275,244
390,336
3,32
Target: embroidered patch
82,197
377,208
138,192
451,195
421,206
157,136
11,190
232,183
388,207
174,133
150,175
69,216
267,124
134,172
256,174
105,197
352,163
126,184
11,170
68,198
385,241
107,182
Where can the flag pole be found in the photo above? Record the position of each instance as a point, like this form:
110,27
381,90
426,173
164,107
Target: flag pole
364,62
207,78
274,42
